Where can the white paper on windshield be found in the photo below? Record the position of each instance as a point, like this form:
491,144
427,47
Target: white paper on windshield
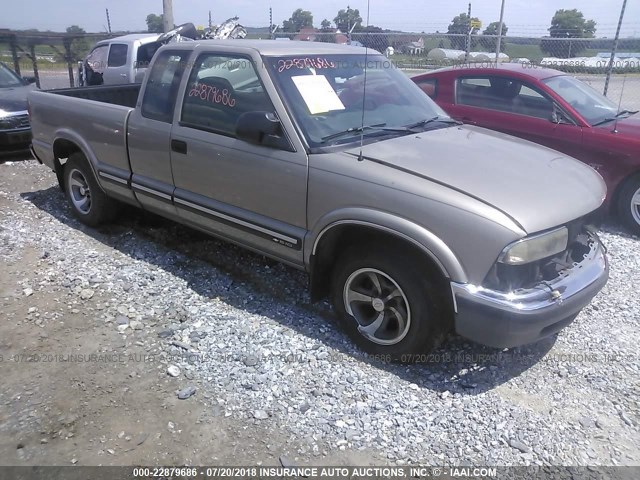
317,93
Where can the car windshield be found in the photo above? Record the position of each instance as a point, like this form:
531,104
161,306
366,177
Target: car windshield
593,106
8,78
332,105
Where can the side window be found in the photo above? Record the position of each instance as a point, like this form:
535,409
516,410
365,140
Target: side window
429,86
504,94
220,89
473,91
118,55
97,59
162,86
532,103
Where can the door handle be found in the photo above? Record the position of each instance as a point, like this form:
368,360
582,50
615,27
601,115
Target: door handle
123,75
179,146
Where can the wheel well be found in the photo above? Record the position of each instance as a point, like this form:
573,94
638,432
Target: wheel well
62,149
613,205
340,238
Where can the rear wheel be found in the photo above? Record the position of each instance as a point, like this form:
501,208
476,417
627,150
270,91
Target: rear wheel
387,304
629,204
88,202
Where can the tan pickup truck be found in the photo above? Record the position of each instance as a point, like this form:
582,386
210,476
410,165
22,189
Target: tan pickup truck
327,158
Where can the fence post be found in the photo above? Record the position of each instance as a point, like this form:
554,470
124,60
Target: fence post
34,62
67,54
614,49
14,54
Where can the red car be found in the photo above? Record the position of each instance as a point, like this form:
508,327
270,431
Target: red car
553,109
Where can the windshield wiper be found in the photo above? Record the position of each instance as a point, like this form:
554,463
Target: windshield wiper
617,115
377,126
427,121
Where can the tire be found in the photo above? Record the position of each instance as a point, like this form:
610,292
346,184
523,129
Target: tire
413,321
628,206
89,203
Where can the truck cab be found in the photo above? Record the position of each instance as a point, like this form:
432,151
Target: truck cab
118,60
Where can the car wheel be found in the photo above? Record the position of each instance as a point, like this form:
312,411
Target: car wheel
386,305
629,204
88,202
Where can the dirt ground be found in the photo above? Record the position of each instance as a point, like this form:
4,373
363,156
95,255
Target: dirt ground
56,409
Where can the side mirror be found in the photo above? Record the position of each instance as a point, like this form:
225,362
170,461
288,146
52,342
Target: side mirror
558,117
257,127
29,79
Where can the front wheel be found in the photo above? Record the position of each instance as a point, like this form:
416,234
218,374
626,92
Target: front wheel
629,204
387,304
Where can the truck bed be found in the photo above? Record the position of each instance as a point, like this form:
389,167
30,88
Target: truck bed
124,95
94,117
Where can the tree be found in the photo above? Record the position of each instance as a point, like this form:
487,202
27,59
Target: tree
326,25
460,25
346,19
568,24
154,23
490,43
79,45
299,19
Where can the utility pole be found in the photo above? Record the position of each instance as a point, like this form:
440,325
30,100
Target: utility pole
108,21
614,49
466,55
499,33
210,24
167,15
270,23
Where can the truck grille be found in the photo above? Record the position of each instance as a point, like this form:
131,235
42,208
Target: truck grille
22,121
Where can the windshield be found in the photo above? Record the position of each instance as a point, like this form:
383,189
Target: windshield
325,95
8,78
593,106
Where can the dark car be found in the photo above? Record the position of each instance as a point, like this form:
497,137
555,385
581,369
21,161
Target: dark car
15,130
553,109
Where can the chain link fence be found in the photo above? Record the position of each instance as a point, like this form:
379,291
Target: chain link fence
53,57
587,59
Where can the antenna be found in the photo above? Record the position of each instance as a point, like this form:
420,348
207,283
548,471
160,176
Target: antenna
364,89
615,125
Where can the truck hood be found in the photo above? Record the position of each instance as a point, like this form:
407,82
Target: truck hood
537,187
14,99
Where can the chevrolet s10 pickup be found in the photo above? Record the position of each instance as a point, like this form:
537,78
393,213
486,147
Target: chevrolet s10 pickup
329,159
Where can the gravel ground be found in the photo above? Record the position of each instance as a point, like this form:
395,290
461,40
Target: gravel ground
241,330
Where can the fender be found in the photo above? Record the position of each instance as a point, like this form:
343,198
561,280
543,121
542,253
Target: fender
405,229
85,148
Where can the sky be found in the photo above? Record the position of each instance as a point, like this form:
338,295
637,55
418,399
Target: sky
523,17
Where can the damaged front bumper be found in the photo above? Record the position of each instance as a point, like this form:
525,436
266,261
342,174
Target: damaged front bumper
526,315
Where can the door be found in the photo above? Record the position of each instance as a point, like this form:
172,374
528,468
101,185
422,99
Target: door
118,69
252,194
517,108
149,134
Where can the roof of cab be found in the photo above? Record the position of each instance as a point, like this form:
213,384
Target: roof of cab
277,48
130,38
530,70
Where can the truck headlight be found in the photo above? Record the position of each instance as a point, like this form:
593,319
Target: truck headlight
536,247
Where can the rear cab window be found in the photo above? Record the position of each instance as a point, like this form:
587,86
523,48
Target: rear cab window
163,84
